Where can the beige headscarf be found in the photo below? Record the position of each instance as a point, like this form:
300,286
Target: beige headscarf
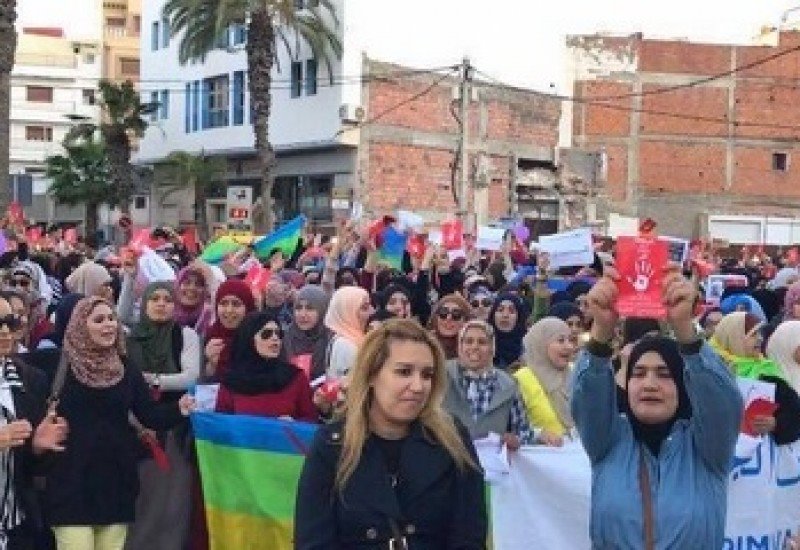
87,279
554,381
342,316
731,331
781,348
92,365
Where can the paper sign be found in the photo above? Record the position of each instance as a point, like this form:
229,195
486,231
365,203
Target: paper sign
716,285
569,249
490,238
678,249
493,456
435,237
205,396
409,220
641,262
454,255
759,400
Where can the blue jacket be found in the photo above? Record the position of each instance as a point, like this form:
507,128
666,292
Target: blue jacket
689,477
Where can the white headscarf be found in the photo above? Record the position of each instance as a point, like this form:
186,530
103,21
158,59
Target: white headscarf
781,348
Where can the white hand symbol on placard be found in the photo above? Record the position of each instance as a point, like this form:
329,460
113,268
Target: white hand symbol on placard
644,271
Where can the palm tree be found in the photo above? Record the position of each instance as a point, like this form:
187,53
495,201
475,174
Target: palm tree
200,173
8,47
123,117
269,23
81,176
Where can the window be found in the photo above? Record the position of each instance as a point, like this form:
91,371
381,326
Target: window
129,66
115,22
155,36
216,103
88,97
311,77
780,162
187,102
164,105
196,106
154,103
39,94
165,31
140,202
89,58
238,98
297,79
239,35
137,24
38,133
223,40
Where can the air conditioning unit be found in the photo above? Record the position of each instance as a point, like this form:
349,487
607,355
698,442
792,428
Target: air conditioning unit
351,113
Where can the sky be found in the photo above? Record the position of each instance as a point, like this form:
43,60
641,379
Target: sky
522,42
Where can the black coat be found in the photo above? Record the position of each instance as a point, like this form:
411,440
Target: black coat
95,481
434,505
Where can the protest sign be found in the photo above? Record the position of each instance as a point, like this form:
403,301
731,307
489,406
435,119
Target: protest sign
641,262
490,238
569,249
678,249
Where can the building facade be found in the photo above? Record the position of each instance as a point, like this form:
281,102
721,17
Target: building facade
122,22
703,138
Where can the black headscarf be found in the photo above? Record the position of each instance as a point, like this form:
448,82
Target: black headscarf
508,345
653,435
249,373
382,298
565,310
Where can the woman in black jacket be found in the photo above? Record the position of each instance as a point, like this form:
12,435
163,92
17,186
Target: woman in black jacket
396,472
92,485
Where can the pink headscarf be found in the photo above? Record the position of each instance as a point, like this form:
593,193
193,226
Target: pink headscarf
342,317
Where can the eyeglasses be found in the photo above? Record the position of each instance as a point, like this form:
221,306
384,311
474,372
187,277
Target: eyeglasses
454,314
482,302
267,333
24,283
11,321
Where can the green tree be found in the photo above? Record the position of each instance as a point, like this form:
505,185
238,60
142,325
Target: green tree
123,118
82,176
269,23
8,47
200,173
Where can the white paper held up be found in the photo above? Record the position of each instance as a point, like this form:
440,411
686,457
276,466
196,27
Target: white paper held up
490,238
569,249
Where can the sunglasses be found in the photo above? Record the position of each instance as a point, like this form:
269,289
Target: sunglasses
482,302
11,321
24,283
454,314
267,333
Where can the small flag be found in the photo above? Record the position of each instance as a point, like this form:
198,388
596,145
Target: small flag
393,245
285,239
216,252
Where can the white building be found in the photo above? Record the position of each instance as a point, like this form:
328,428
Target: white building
54,80
205,107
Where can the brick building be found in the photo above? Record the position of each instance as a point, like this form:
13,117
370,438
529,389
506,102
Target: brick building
713,156
408,157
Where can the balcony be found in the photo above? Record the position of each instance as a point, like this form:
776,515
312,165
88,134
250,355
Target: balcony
46,60
112,32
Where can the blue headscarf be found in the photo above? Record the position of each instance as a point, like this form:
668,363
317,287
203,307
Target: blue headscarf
508,345
742,302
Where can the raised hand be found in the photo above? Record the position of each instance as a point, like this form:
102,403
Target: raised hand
601,304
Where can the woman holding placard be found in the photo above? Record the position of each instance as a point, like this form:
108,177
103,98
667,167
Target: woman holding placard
659,471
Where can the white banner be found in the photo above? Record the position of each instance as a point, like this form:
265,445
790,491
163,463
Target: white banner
544,500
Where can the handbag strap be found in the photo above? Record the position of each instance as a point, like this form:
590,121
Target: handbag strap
58,382
647,501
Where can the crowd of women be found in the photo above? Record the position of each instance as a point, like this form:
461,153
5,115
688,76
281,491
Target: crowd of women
403,370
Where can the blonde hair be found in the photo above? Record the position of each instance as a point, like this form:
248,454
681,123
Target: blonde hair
372,357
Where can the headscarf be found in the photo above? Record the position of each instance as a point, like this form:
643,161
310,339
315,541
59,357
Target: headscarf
188,316
508,345
63,314
315,341
449,343
92,365
783,277
231,287
653,435
769,302
342,316
340,276
565,310
88,278
150,343
728,341
578,288
792,297
497,271
781,349
382,298
553,380
250,373
742,302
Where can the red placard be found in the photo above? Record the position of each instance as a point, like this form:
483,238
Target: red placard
452,235
758,407
416,246
140,239
641,262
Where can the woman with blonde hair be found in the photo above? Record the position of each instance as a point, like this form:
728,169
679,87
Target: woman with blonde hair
396,471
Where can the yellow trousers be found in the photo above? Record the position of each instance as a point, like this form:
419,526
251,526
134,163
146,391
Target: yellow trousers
83,537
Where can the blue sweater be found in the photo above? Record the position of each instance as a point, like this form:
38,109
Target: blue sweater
689,476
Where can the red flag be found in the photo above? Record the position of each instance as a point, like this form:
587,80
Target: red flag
416,246
189,239
257,277
140,239
452,235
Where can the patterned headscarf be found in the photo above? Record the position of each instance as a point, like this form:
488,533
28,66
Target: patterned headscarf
92,365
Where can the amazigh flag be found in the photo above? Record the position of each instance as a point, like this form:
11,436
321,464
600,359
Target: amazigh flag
285,239
393,245
215,252
250,467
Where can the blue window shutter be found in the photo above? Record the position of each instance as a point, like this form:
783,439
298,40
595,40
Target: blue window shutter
311,77
187,104
164,104
238,98
166,31
154,36
205,98
195,105
153,103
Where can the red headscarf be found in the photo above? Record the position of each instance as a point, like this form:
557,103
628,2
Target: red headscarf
231,287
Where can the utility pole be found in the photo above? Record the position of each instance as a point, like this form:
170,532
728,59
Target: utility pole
464,187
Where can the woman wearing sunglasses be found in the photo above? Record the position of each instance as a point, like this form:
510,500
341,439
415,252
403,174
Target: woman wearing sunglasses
260,381
481,301
449,315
